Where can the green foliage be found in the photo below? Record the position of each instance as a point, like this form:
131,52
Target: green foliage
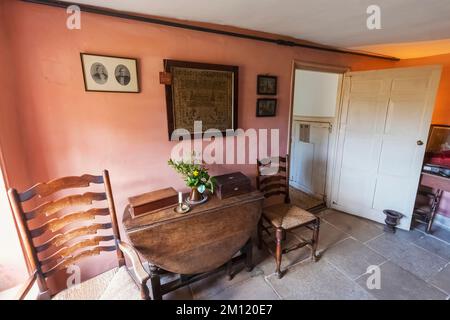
195,175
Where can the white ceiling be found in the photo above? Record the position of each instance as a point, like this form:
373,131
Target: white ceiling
338,23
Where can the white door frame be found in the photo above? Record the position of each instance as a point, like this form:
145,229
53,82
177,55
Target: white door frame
311,66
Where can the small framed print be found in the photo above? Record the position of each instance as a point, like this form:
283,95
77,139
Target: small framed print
266,107
109,74
267,85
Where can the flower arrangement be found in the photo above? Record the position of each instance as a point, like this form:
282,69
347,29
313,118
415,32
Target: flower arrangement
195,175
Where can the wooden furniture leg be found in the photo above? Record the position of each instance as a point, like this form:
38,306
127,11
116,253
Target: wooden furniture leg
280,236
259,234
248,251
315,240
155,281
434,208
230,270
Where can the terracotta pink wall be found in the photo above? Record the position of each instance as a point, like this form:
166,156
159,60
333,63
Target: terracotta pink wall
12,164
67,131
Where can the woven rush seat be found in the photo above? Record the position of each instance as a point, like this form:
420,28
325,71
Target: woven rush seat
287,216
115,284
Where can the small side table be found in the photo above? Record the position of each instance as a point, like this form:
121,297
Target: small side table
196,244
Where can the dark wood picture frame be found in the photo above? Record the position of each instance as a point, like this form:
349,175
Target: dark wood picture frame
82,54
169,64
260,113
259,85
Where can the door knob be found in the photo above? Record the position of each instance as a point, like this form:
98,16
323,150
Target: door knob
419,142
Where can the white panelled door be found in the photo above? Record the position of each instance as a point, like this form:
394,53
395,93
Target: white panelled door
383,127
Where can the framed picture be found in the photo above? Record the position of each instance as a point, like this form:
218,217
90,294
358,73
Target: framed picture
266,107
201,92
110,74
267,85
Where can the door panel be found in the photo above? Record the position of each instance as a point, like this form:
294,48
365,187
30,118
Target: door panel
386,187
383,114
305,157
309,157
355,189
401,108
397,157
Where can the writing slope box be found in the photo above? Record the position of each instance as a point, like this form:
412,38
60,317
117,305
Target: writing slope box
152,201
232,184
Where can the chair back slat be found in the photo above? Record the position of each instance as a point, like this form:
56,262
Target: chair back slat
62,239
272,186
272,177
48,242
51,207
71,260
57,224
269,179
68,250
275,193
47,188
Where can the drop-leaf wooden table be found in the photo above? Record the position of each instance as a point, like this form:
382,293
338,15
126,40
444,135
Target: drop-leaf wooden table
197,243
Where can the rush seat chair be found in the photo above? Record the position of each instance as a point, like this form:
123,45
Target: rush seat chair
54,239
273,180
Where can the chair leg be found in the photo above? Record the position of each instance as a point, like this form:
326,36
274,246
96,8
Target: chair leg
315,241
280,236
155,283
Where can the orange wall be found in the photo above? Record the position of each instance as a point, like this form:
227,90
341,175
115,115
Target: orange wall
67,131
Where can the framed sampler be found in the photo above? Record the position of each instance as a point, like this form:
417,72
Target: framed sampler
201,92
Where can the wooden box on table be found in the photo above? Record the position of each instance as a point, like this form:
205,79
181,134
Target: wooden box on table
152,201
232,184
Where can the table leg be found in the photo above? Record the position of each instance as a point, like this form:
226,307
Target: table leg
248,251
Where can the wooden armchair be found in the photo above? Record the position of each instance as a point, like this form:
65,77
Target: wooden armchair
51,246
273,180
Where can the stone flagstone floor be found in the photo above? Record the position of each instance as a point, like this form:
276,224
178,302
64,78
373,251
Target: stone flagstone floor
413,265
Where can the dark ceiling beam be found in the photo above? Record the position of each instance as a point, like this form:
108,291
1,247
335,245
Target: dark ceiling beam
174,24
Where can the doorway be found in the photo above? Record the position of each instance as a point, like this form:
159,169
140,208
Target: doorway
316,93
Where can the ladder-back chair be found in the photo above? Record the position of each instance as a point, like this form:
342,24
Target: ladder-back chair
273,180
52,242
